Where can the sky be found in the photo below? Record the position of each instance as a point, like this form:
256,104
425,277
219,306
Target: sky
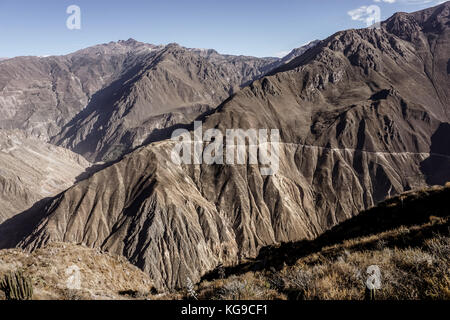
243,27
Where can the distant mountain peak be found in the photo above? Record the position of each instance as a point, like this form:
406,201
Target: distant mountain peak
299,51
130,41
173,44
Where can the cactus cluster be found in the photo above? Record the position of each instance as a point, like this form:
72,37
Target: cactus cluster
16,286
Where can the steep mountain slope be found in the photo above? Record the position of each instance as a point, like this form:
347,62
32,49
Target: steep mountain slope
171,88
407,237
31,170
40,95
357,116
108,99
175,83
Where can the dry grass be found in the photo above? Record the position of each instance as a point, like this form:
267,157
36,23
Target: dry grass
103,276
338,272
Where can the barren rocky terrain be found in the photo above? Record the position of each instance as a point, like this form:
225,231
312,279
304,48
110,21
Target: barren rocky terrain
363,116
63,271
103,101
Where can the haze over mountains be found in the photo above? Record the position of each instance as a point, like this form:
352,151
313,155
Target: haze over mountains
363,115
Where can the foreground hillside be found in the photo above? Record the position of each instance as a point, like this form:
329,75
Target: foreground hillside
407,237
53,272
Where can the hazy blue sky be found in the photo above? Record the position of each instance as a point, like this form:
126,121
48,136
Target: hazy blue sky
250,27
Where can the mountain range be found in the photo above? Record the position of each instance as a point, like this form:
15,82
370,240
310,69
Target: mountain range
103,101
363,115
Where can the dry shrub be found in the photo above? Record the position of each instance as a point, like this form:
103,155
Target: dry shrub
245,287
406,274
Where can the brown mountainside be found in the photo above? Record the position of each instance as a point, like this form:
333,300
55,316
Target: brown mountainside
361,118
106,100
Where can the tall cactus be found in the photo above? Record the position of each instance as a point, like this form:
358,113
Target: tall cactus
16,286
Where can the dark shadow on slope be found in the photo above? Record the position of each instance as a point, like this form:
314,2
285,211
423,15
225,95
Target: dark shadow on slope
436,168
15,229
156,136
381,95
358,159
89,172
166,133
414,208
101,106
